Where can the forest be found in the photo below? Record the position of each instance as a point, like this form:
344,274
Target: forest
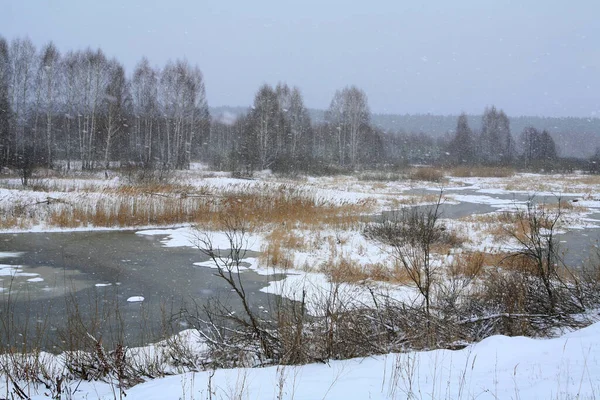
83,107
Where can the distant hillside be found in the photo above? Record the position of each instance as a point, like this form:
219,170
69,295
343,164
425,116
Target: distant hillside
575,137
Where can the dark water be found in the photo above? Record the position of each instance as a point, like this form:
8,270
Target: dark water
578,247
83,280
92,274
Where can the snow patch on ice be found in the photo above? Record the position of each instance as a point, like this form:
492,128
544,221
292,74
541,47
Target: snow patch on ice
10,254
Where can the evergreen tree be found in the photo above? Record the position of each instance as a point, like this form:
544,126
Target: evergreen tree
461,145
496,144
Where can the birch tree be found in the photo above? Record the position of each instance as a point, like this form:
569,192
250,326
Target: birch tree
265,124
116,100
22,58
5,108
349,118
146,111
49,81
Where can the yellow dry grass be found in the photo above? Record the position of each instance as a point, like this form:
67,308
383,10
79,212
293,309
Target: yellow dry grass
429,174
481,172
261,207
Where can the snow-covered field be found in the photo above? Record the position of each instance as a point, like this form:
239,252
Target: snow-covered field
496,368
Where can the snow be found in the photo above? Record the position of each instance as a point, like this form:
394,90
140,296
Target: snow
14,271
189,237
498,367
10,254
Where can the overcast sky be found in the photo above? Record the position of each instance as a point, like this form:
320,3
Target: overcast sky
530,57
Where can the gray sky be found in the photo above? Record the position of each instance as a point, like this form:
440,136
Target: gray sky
438,56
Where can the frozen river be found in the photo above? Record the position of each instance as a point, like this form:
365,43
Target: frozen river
128,286
103,276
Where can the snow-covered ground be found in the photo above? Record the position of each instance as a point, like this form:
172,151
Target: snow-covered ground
498,367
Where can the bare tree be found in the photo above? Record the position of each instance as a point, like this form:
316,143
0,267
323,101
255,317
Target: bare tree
265,125
23,56
5,108
49,72
185,112
349,118
145,104
228,264
497,144
115,107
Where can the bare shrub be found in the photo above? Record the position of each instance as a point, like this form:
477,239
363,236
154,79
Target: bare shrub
286,334
146,173
411,234
540,256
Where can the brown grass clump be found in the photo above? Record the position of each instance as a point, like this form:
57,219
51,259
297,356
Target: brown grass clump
158,189
290,206
502,226
350,271
345,270
428,174
447,240
481,171
469,264
167,205
587,180
124,211
279,251
476,264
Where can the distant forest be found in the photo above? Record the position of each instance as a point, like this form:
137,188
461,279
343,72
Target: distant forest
82,108
574,137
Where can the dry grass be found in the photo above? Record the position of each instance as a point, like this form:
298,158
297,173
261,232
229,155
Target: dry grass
379,176
447,241
344,270
126,211
501,226
428,174
261,207
159,189
469,264
280,248
349,271
585,180
481,171
473,264
413,200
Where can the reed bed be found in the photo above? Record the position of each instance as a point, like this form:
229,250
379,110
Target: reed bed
260,206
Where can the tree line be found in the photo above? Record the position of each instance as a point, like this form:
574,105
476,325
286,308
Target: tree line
82,107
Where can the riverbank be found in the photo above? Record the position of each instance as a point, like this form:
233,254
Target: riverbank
332,258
